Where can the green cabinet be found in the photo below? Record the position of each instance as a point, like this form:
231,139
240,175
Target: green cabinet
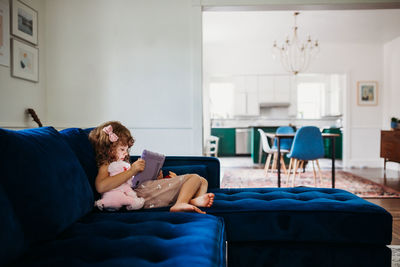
338,143
227,142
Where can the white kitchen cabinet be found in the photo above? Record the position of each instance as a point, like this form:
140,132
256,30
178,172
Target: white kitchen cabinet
240,104
266,89
246,95
253,106
292,111
251,84
274,89
282,89
239,83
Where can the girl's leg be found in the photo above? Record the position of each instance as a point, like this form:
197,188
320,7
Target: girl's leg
202,198
188,190
203,187
205,200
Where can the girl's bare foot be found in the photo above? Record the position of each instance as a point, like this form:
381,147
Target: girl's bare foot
182,207
205,200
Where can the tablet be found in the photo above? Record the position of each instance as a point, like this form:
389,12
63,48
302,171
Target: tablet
154,162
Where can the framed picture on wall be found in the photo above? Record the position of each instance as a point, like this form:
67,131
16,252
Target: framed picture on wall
24,22
4,34
367,93
25,61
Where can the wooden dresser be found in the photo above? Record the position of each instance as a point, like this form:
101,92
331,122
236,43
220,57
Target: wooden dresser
390,146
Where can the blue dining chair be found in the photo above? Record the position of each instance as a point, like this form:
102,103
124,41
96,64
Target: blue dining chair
307,146
285,143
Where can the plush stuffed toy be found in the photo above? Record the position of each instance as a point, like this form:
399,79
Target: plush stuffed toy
123,195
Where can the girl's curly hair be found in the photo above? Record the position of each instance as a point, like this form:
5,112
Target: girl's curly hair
104,148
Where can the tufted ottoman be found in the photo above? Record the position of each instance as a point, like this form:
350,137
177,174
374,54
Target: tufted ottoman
302,227
135,239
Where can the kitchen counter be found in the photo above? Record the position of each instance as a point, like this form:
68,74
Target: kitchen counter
259,122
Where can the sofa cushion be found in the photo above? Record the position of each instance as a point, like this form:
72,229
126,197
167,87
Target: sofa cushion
195,163
44,181
135,239
179,170
11,235
301,214
80,144
88,130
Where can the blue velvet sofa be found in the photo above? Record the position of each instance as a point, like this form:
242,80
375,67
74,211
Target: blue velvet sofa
47,216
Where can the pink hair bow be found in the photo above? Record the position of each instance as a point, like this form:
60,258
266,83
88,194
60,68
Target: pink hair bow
111,135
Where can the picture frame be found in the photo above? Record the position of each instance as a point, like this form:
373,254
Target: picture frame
24,22
367,93
4,34
25,61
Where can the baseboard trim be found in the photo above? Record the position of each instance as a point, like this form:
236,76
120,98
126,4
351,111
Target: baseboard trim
365,163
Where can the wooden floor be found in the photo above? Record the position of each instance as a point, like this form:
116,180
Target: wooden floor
392,206
390,178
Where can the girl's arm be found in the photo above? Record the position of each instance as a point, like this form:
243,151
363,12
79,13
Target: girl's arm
105,182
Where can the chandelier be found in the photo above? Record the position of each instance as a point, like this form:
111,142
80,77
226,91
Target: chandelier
294,55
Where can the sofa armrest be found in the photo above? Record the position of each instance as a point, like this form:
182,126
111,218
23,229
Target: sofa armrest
208,167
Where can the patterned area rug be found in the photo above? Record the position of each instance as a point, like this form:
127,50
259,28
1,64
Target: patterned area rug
246,177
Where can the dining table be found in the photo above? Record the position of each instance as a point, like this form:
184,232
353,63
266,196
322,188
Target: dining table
278,137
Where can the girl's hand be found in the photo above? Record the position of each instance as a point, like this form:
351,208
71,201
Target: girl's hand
160,175
172,174
138,166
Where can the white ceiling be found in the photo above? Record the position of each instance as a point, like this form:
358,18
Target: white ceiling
353,26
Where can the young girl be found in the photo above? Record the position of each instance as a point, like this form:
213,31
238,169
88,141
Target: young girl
185,192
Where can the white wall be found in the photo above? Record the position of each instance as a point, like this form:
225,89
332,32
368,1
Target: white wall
138,62
392,86
392,81
16,95
357,61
